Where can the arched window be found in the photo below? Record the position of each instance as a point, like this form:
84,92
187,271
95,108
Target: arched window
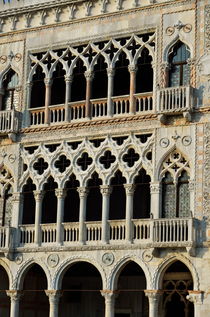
38,89
99,84
58,86
175,196
144,75
78,81
122,76
179,69
11,96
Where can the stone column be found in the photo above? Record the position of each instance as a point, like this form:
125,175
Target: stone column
105,191
132,69
1,98
110,74
129,188
155,194
61,194
89,78
196,297
17,210
83,192
28,103
68,80
14,302
165,67
48,84
54,296
38,195
109,297
154,298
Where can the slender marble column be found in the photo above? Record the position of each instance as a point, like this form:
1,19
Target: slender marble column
89,78
196,297
68,80
110,74
28,103
154,298
155,194
109,297
105,191
61,194
132,69
14,302
54,297
83,192
48,85
17,209
129,188
38,195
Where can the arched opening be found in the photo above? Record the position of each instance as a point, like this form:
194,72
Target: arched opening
7,206
72,201
177,280
144,75
117,197
100,80
11,95
141,199
121,87
131,300
58,85
81,287
34,301
49,204
175,196
179,69
28,203
38,89
94,199
4,299
79,80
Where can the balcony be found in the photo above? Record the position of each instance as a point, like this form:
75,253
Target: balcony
156,233
9,121
175,100
143,104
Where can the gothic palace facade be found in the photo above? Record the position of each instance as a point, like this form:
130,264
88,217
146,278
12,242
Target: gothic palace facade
104,158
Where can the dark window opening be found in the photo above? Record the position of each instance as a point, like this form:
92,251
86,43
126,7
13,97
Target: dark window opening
78,86
52,147
40,165
49,203
120,140
4,299
58,88
100,80
94,199
179,73
72,201
121,87
107,159
84,161
10,82
144,75
143,137
97,142
141,199
28,203
31,149
131,157
38,89
62,163
117,197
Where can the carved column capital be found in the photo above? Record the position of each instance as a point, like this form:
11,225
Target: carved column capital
110,72
109,295
155,188
105,190
38,195
48,81
60,193
153,295
69,79
14,295
17,197
132,68
54,295
83,192
129,189
195,297
89,74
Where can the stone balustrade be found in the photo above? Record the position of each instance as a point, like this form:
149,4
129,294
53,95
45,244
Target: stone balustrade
9,121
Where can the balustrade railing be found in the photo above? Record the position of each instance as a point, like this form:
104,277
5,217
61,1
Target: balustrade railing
27,234
117,230
77,110
48,233
93,231
9,121
175,99
4,237
57,114
144,102
99,108
121,105
141,229
37,116
71,232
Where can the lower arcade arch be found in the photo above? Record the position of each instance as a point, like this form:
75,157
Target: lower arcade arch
130,285
34,302
81,284
177,280
4,299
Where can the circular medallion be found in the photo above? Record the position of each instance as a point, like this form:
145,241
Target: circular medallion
18,57
19,259
12,158
164,142
53,260
108,258
187,28
186,140
3,59
147,256
170,30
